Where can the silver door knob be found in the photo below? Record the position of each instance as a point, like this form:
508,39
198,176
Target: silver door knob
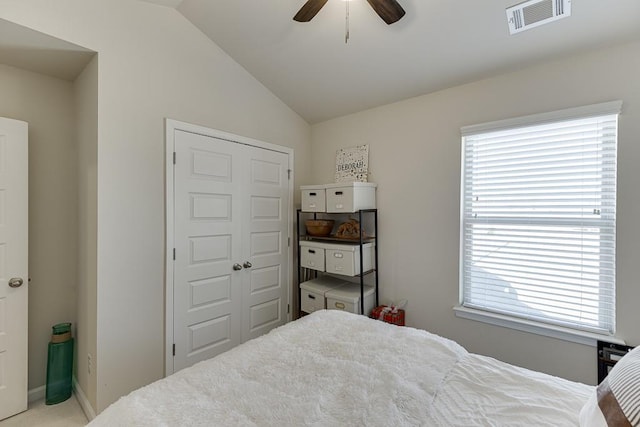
237,266
247,264
16,282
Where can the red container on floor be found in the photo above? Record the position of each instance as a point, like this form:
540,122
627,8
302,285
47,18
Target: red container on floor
388,314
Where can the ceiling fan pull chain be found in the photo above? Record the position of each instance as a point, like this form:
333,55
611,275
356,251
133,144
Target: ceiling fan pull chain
346,31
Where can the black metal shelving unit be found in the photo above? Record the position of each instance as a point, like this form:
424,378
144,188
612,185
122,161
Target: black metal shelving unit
361,241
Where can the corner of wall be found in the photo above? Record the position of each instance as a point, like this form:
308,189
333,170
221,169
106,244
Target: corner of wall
86,104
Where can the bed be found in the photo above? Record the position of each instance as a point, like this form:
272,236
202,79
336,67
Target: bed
334,368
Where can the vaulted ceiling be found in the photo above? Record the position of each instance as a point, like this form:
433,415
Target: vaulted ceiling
438,44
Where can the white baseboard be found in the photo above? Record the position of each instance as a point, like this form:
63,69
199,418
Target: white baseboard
83,401
36,394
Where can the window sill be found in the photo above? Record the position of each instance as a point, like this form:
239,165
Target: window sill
558,332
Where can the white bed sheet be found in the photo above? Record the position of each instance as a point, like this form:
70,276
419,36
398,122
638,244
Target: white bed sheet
481,391
334,368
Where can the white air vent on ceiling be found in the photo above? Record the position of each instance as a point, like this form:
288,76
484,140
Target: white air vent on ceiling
533,13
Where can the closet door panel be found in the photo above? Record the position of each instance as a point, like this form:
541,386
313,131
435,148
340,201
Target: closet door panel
265,293
208,233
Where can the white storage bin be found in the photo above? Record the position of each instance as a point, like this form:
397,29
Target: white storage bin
312,255
313,198
350,197
312,292
347,298
345,259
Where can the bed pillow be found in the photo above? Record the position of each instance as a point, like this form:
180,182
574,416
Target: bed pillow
616,400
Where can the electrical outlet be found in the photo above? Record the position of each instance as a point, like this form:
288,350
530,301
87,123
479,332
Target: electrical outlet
89,363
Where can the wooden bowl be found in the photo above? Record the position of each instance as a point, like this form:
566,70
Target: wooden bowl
319,227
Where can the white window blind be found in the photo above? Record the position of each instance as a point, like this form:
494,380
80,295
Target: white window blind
539,219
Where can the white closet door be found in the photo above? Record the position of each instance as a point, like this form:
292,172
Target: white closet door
266,196
231,267
208,229
13,266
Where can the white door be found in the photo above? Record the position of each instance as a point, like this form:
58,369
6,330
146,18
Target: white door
265,242
230,232
13,266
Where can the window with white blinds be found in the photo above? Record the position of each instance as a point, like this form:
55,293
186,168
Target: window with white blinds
539,217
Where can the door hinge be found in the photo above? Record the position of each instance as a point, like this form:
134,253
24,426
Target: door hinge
174,254
289,242
288,173
174,349
174,157
288,309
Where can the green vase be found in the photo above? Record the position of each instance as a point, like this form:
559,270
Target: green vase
59,364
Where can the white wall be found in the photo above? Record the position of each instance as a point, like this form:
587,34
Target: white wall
46,103
152,64
86,127
415,159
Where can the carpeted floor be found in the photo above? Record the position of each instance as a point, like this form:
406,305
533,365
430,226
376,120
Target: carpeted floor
65,414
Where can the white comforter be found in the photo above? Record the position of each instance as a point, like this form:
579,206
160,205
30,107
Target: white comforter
333,368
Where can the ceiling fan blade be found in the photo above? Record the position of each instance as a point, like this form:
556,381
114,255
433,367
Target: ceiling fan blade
389,10
309,10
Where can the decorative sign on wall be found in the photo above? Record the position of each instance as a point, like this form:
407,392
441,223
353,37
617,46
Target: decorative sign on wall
352,164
